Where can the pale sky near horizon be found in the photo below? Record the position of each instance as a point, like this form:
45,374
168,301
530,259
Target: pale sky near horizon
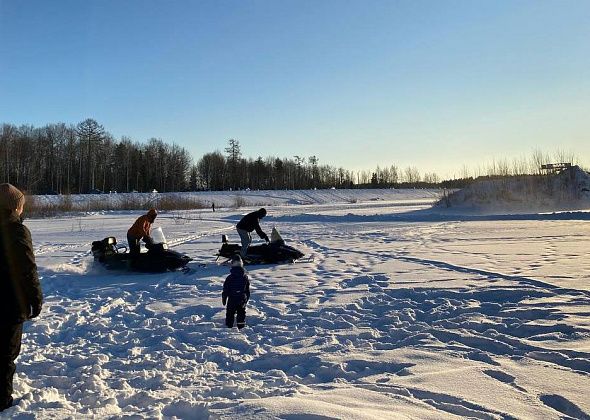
435,84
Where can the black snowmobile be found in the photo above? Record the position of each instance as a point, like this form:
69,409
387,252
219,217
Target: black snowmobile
275,252
158,259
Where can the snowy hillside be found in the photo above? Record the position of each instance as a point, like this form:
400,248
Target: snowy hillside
568,190
253,198
392,314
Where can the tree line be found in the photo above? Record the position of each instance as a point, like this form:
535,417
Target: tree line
218,171
83,158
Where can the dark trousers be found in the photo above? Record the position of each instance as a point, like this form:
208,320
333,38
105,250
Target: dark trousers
134,246
235,305
10,340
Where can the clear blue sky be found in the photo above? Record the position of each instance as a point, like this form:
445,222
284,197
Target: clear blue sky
436,84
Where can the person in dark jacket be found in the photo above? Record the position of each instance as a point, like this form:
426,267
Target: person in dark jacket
21,297
236,293
141,229
247,224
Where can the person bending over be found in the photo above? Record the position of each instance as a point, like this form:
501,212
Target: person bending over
141,230
247,224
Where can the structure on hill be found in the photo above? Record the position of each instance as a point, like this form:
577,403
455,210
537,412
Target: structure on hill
552,168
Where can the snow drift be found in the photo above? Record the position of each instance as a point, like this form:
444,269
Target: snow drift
567,190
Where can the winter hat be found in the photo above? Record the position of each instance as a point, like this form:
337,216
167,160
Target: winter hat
236,261
152,214
11,198
262,212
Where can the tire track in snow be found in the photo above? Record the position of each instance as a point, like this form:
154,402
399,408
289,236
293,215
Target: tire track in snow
192,238
51,248
453,267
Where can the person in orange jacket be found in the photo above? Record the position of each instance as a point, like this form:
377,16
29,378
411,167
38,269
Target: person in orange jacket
141,230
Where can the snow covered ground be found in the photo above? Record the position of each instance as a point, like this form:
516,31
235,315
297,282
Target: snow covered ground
398,313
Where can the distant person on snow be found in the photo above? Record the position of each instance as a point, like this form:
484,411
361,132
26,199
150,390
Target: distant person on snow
141,230
21,297
250,222
236,293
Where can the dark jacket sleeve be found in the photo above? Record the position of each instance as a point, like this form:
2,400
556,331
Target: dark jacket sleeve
259,230
225,292
247,288
27,267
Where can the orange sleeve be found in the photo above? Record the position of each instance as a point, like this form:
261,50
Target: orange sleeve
147,226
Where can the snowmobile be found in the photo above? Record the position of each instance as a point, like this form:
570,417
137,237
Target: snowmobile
158,259
274,252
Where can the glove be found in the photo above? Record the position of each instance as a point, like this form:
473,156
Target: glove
35,310
223,300
266,239
149,242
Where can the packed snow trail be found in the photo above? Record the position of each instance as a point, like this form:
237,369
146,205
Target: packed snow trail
389,320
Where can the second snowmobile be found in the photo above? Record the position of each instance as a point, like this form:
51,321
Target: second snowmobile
275,252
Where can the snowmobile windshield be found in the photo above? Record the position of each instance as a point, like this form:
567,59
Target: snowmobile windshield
275,236
158,236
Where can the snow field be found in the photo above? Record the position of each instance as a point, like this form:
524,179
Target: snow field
423,319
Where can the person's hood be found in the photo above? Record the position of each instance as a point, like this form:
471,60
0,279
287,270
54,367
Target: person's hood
10,216
237,271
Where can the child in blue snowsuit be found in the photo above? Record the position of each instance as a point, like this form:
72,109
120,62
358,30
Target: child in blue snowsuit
236,293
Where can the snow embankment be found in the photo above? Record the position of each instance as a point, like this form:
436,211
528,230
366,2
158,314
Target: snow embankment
250,198
568,190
